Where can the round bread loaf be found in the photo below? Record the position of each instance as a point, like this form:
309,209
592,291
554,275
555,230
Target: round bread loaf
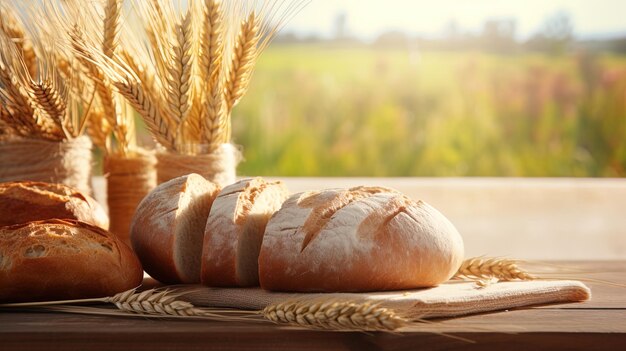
22,202
63,259
234,231
361,239
168,228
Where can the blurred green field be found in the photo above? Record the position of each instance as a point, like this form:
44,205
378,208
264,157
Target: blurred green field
323,111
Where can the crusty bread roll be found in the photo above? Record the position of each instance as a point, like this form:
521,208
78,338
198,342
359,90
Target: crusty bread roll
63,259
168,227
361,239
22,202
234,231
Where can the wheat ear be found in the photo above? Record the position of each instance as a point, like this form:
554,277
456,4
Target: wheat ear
486,268
242,63
134,93
111,26
180,70
153,302
212,50
334,315
50,101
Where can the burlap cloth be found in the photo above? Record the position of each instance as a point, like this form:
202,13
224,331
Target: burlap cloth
129,179
446,300
219,166
67,162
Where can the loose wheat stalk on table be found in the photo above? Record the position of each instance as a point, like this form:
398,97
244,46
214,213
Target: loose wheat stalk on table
486,268
165,303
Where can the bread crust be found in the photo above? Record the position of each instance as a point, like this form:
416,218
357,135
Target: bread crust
234,231
26,201
63,259
357,240
156,229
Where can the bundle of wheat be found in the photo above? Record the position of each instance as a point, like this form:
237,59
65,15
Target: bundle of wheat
185,69
45,103
130,170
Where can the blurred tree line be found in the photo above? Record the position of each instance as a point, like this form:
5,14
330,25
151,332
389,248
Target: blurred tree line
555,36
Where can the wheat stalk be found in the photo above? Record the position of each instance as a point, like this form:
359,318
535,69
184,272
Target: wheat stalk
116,119
486,268
334,315
313,313
153,302
50,101
135,95
148,303
242,63
143,73
44,100
212,48
194,84
111,26
180,73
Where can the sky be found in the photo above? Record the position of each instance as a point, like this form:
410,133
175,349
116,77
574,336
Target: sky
367,18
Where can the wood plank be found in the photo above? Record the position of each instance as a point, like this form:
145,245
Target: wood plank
103,333
100,333
606,279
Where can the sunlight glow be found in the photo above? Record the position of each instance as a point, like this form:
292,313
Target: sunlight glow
368,18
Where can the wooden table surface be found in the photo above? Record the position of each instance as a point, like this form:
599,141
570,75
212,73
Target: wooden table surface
599,324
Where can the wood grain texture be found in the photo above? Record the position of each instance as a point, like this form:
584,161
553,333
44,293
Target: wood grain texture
598,324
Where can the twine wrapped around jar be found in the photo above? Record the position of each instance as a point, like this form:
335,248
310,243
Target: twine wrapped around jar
67,162
129,179
220,166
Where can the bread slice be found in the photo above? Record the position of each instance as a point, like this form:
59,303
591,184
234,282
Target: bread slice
354,240
234,231
22,202
168,227
64,259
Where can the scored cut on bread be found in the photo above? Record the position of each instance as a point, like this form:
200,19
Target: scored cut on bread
64,259
26,201
234,231
168,227
360,239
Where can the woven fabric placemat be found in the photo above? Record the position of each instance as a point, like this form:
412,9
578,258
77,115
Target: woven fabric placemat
446,300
